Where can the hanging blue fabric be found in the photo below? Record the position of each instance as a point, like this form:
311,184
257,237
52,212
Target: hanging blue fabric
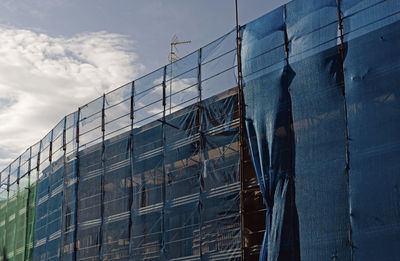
270,132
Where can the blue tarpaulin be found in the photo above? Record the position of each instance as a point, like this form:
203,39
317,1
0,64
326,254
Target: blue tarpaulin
320,90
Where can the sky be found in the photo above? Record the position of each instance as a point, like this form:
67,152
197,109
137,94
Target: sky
56,55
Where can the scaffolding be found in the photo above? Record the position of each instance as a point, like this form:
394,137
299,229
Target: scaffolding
278,158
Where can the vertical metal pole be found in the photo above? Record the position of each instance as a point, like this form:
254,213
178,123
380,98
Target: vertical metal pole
50,167
347,168
63,214
341,46
49,191
201,143
19,171
170,82
37,180
26,246
8,200
8,181
285,35
103,166
77,183
38,161
241,126
17,205
132,116
51,147
163,166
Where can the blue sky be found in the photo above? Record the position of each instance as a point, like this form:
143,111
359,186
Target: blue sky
58,54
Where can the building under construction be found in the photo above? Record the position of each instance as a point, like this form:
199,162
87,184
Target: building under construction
278,141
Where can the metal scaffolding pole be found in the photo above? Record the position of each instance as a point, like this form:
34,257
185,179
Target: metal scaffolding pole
241,125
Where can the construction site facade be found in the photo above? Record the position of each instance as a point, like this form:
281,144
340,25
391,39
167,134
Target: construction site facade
277,141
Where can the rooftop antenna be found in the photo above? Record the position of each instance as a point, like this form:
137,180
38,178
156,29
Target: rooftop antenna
172,57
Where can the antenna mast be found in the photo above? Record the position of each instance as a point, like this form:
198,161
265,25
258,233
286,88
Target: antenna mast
172,57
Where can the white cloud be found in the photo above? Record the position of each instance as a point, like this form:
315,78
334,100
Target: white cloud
43,78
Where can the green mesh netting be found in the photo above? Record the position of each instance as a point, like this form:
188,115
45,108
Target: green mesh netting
3,214
16,225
